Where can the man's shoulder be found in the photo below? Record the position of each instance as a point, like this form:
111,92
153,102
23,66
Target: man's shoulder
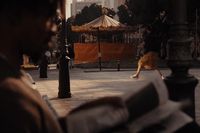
16,90
11,83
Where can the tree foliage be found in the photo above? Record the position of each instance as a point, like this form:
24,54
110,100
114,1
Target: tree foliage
124,14
145,11
89,13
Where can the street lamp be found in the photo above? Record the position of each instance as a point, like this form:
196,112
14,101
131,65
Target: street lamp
64,78
180,83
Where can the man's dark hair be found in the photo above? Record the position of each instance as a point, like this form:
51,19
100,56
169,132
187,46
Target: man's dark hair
36,7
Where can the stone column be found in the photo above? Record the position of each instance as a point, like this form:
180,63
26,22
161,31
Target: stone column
180,83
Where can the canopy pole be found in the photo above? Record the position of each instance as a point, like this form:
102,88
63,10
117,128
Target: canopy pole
99,49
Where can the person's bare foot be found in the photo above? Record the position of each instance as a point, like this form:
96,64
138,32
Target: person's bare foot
134,76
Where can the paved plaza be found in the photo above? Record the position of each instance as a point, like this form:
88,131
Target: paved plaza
90,84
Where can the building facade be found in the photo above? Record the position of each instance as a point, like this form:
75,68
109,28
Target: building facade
68,8
78,5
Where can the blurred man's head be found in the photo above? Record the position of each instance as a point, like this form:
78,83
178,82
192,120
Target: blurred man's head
26,25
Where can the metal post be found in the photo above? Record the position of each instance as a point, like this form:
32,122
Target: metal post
64,78
180,83
99,49
43,66
196,32
118,65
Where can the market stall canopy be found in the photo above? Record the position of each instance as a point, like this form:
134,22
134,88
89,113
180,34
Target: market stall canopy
103,23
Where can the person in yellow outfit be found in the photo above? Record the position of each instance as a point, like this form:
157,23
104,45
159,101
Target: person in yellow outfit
153,37
147,61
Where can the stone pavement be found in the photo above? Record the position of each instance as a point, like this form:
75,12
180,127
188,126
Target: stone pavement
90,84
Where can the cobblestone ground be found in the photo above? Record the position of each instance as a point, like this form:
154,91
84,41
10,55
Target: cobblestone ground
89,84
